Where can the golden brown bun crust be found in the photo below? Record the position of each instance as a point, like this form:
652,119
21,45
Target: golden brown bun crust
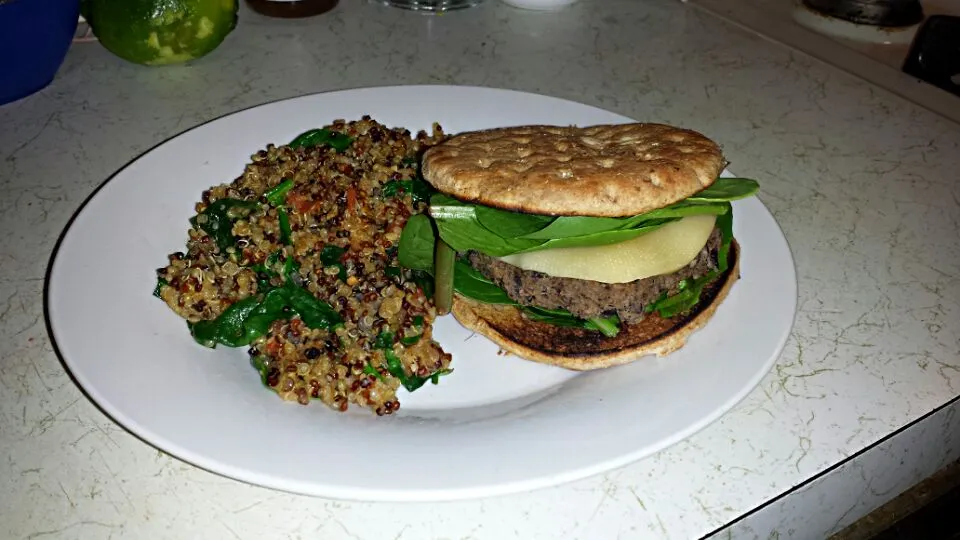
605,170
580,349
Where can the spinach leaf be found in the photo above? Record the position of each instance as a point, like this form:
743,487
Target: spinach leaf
270,308
608,326
258,363
277,195
217,220
681,209
265,269
417,244
424,280
567,226
247,319
557,317
384,340
228,328
727,189
465,226
161,283
725,224
459,227
601,238
435,378
689,291
578,226
418,324
418,189
410,382
508,224
370,370
285,230
629,228
471,283
330,256
315,314
290,266
317,137
686,298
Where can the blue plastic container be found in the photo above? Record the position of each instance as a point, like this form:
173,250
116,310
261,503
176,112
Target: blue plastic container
34,38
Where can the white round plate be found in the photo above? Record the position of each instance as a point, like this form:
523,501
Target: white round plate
498,424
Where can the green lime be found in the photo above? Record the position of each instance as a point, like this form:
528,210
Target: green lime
157,32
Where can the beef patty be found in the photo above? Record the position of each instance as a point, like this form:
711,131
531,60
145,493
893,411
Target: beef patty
585,298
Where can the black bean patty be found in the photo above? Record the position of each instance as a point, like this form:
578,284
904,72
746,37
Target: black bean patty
586,298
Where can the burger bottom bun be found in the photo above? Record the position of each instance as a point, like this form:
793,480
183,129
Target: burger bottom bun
582,350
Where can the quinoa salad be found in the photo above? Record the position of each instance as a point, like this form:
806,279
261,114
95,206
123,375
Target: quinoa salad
296,259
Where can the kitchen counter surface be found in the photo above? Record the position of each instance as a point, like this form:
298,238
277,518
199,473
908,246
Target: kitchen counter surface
864,184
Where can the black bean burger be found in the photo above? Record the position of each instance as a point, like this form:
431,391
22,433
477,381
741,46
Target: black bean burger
582,247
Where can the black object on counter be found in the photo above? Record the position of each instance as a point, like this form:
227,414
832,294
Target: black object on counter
292,9
935,53
893,13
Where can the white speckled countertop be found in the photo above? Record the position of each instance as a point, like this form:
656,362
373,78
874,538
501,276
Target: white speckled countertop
865,185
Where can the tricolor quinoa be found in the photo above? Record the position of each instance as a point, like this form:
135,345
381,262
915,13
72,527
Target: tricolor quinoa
324,219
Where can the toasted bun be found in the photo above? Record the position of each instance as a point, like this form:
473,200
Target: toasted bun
605,170
582,350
